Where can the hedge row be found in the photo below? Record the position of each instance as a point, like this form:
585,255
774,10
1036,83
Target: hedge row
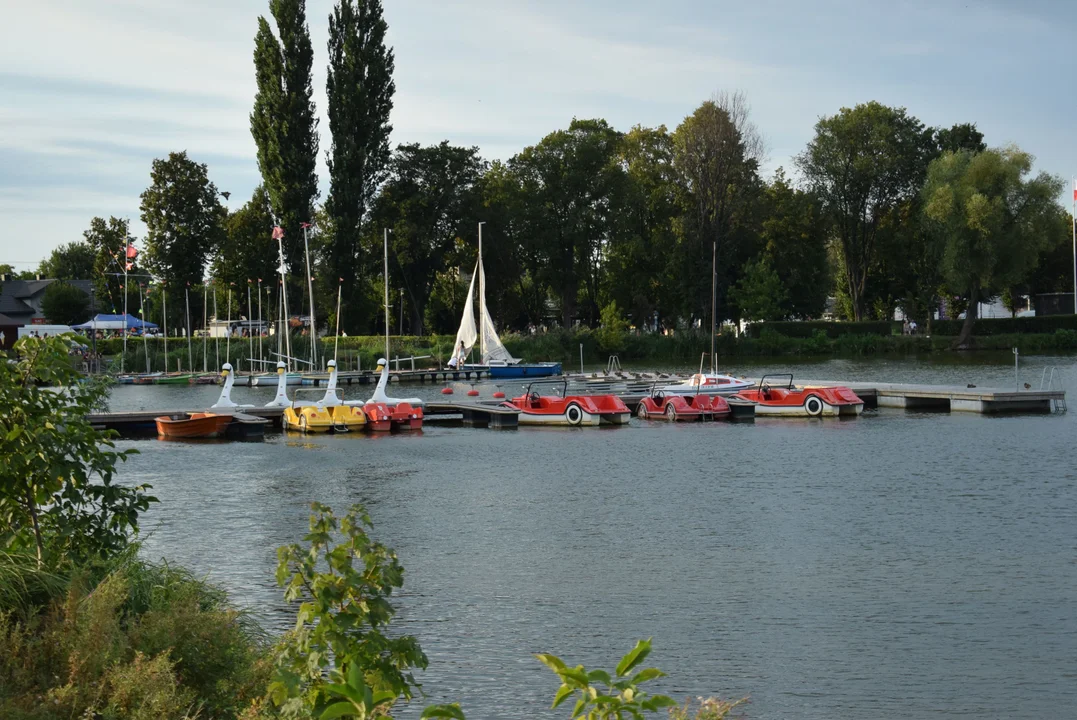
1008,326
808,328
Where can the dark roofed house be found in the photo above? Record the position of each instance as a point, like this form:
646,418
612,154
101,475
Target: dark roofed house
20,300
9,332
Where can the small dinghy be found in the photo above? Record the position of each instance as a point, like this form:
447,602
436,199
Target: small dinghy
777,396
246,427
192,425
569,410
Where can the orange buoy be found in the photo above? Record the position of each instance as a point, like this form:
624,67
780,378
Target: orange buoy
499,395
446,391
472,393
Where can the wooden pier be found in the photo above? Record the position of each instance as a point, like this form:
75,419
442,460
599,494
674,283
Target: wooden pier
952,398
369,377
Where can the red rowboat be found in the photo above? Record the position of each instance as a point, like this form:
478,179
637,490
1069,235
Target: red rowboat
192,425
660,406
571,410
788,400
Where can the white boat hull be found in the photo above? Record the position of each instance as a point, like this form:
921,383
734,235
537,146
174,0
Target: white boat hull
588,419
798,411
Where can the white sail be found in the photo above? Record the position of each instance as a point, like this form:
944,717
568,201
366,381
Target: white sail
468,333
493,351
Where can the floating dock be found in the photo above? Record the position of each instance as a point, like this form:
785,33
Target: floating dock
484,415
369,377
951,398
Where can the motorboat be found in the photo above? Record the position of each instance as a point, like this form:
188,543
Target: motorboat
174,379
496,359
682,408
709,383
777,396
569,410
271,379
192,425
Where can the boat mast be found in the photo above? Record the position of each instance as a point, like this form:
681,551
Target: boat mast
714,301
310,291
482,300
187,300
385,282
279,234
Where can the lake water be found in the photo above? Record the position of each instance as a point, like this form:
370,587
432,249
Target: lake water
904,564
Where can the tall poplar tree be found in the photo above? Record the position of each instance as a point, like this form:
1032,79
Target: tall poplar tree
283,122
360,89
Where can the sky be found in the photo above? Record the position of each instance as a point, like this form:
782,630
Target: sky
92,92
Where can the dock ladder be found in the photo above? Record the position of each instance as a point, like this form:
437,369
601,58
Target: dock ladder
1054,382
613,365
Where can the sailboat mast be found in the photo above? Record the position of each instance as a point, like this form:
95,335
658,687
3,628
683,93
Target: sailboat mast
385,282
714,302
482,300
310,291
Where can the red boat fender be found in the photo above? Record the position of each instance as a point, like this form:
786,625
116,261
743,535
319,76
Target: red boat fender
499,395
446,391
472,393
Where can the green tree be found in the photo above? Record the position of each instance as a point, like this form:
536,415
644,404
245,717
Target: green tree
65,304
56,489
760,294
73,261
862,163
339,660
360,92
568,185
184,222
283,122
995,219
637,262
716,153
794,237
430,202
247,250
109,240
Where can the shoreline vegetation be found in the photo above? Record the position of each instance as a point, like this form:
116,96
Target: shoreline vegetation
785,339
90,629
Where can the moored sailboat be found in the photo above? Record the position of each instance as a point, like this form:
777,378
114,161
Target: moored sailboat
495,356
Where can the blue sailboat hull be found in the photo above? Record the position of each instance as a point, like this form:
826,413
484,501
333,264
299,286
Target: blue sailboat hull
525,370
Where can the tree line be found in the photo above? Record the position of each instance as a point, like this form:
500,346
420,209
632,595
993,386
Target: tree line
590,221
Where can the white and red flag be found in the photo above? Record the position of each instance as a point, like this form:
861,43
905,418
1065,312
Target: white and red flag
278,232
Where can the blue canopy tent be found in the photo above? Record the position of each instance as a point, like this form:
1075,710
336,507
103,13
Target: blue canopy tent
114,322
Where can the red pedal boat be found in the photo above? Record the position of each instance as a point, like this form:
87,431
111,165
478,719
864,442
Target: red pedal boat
379,417
192,425
683,408
570,410
788,400
406,416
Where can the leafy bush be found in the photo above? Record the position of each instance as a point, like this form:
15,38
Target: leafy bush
808,328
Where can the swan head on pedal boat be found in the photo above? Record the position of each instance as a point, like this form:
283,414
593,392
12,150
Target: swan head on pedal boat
379,395
225,400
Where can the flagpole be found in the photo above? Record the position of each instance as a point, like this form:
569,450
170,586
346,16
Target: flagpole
386,283
127,244
187,300
205,324
142,312
1073,223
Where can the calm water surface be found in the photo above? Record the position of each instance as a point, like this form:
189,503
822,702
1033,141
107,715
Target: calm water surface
900,564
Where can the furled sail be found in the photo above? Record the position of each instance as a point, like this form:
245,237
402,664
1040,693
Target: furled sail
493,350
468,333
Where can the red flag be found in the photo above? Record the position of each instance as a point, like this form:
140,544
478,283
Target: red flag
304,225
130,266
341,279
278,232
132,252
